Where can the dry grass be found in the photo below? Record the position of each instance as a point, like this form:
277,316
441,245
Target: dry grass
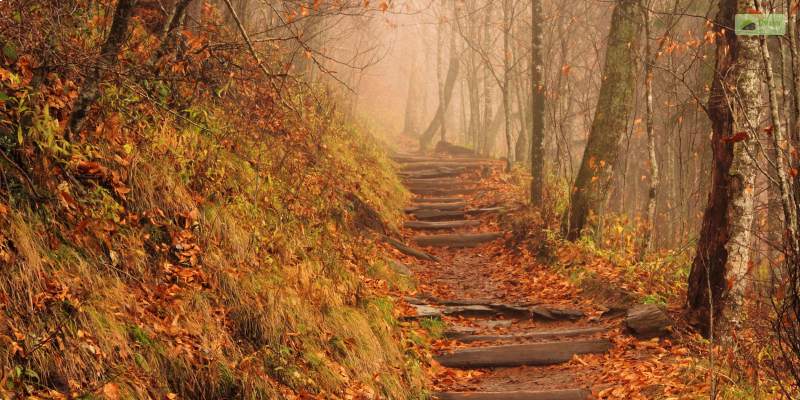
269,304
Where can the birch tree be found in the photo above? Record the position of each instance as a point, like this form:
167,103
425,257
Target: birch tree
717,278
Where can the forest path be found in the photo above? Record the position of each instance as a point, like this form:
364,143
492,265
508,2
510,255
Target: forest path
501,340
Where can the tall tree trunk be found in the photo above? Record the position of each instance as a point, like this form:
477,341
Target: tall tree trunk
722,260
522,147
538,104
90,90
487,140
650,59
506,80
475,122
614,106
781,148
439,74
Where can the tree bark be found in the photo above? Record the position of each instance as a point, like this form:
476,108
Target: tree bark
722,260
169,33
614,107
440,79
90,91
655,179
537,93
487,139
781,148
507,23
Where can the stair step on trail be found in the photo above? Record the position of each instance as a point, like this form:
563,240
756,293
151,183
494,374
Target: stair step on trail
436,206
433,225
441,192
439,200
429,165
438,215
533,335
573,394
411,159
438,181
433,173
517,355
457,240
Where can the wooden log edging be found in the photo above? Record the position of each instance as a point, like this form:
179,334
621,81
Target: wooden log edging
409,251
535,354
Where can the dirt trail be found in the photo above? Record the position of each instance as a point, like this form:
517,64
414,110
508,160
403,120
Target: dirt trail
504,342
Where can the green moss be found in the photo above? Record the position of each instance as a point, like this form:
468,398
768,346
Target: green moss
140,336
435,327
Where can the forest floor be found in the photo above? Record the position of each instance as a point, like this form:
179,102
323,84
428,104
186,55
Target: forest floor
507,325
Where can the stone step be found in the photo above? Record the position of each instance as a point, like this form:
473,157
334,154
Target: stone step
572,394
457,240
535,354
432,225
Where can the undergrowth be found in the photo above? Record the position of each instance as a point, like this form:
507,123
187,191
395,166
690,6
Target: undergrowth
606,265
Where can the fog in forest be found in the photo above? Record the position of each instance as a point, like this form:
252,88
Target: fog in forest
399,199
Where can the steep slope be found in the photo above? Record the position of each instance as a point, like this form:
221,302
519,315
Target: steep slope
207,236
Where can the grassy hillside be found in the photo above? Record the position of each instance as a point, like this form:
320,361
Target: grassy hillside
197,241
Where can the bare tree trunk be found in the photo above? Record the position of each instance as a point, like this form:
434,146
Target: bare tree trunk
90,90
449,85
614,107
506,80
522,147
650,59
538,104
487,146
782,148
722,260
169,33
439,74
